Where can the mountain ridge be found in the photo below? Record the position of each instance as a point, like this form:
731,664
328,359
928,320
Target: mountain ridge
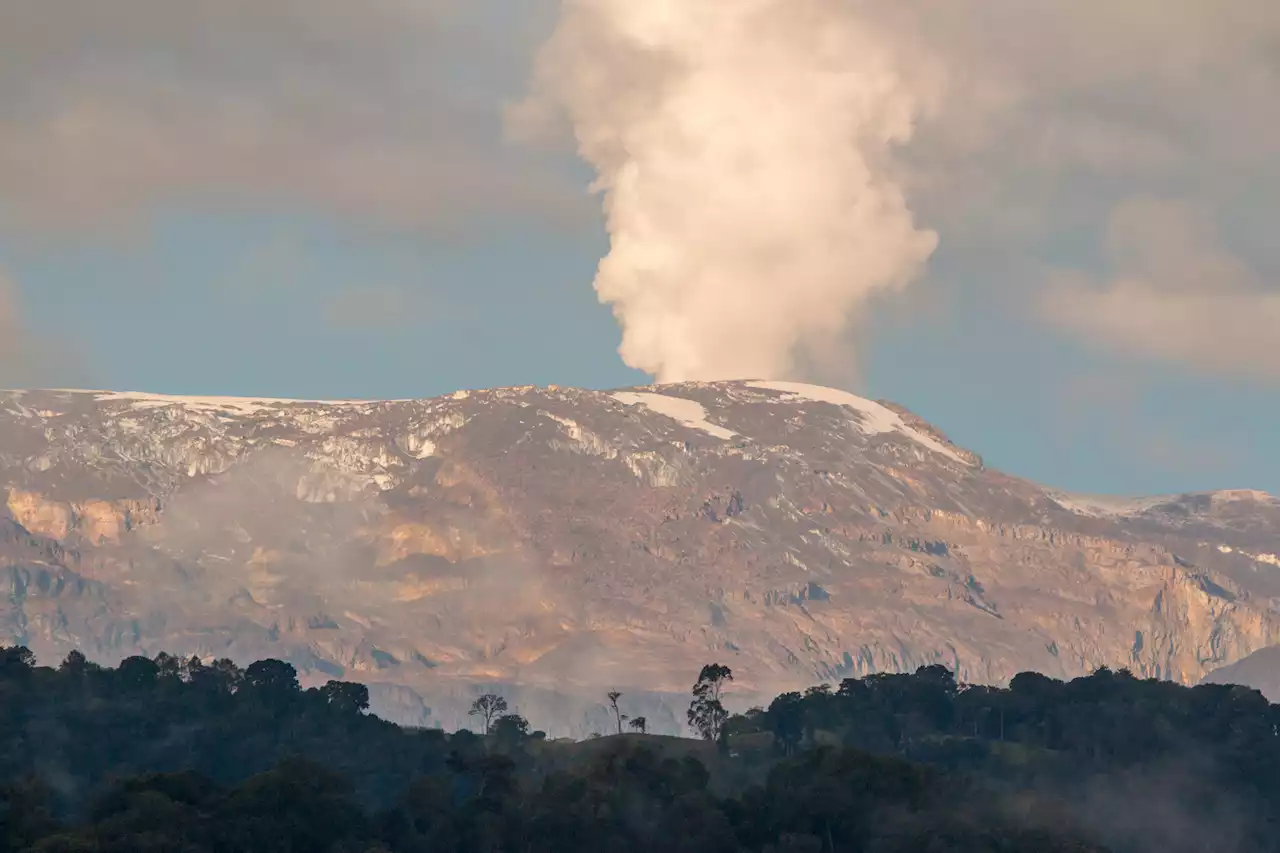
564,542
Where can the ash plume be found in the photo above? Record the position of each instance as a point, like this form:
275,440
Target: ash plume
745,152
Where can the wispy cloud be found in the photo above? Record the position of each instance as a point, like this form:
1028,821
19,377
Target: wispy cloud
1054,111
1176,294
384,111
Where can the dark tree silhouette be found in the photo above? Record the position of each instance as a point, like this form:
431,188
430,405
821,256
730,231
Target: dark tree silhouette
76,664
200,758
346,696
137,672
639,724
488,708
271,677
17,656
510,729
707,713
620,717
169,668
786,721
16,662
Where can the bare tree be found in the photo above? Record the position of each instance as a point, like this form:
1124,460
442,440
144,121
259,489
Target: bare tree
614,696
488,707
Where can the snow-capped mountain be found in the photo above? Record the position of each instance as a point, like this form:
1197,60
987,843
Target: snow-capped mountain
559,543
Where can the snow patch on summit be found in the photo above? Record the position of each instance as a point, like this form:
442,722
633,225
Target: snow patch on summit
1103,506
1100,506
688,412
876,419
213,405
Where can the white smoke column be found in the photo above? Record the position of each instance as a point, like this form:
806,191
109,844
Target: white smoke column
744,150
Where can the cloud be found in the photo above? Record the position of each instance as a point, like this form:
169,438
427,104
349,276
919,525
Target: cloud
388,110
383,111
29,360
770,168
1176,294
773,171
1054,111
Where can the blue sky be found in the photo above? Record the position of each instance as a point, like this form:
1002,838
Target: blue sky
326,278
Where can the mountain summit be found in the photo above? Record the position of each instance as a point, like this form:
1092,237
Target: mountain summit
557,543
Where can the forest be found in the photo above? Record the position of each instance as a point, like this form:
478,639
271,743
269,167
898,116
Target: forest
182,755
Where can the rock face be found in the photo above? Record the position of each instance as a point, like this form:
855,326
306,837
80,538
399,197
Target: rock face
560,543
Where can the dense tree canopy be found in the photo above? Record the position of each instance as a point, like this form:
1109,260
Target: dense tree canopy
173,755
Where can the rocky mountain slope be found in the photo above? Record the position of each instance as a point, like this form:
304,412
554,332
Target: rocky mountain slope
559,543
